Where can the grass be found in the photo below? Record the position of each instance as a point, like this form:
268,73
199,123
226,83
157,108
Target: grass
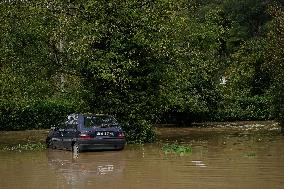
176,149
25,147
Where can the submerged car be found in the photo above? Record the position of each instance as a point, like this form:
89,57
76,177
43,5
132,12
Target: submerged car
83,132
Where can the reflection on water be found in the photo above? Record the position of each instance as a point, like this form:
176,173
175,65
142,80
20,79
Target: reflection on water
199,163
102,170
86,166
223,157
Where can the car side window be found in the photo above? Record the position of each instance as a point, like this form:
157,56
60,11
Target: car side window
71,126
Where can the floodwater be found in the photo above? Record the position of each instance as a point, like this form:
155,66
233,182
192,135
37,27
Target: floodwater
238,155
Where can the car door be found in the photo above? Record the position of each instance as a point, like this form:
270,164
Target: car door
56,138
59,136
68,135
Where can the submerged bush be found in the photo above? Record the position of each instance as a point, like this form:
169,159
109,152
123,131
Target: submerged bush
177,149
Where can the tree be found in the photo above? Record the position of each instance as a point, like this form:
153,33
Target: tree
245,94
274,57
30,88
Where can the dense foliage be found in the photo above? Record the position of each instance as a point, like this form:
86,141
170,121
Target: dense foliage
146,62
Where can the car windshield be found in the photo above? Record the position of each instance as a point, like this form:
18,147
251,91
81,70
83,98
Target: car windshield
99,121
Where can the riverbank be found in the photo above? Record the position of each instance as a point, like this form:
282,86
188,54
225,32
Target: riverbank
8,138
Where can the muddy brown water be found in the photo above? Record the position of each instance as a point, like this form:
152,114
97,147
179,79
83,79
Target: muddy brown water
238,155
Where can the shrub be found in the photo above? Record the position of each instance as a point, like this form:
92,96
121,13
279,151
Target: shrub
139,131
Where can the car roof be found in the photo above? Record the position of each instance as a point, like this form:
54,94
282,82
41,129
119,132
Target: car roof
88,114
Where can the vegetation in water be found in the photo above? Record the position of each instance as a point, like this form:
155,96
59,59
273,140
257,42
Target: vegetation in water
146,62
250,154
177,149
25,147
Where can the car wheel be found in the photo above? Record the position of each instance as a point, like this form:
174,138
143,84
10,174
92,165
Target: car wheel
76,148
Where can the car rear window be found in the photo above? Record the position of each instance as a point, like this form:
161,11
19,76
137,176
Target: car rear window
99,121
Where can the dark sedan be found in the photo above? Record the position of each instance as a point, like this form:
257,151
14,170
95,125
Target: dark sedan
87,132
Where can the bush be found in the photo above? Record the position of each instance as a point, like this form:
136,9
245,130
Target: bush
245,108
139,131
